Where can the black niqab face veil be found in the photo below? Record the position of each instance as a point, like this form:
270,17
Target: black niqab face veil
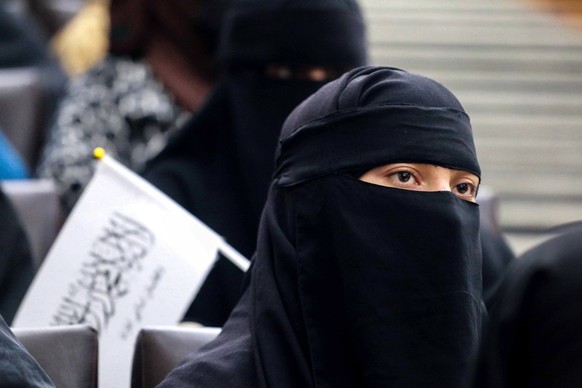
388,280
359,285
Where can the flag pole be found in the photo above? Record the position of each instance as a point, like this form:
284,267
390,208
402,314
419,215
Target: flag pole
227,250
234,256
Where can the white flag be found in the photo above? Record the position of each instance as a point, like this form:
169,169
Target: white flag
127,257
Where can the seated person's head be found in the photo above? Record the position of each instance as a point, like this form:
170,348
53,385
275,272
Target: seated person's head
377,174
315,40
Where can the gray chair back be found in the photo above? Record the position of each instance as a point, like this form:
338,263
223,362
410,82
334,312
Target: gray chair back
39,209
20,111
68,354
159,349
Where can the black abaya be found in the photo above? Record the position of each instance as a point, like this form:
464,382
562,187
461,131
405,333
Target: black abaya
533,338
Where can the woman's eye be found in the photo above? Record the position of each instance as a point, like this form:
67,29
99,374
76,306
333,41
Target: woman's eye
404,176
467,190
463,188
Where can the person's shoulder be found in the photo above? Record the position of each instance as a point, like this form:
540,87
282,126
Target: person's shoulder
564,246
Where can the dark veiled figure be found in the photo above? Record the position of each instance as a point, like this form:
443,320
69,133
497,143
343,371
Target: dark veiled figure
16,264
273,54
368,265
18,369
534,338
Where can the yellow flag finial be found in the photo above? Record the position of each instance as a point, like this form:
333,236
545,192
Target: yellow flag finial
98,153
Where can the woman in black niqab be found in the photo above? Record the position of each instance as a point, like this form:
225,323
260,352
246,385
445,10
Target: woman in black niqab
219,166
355,284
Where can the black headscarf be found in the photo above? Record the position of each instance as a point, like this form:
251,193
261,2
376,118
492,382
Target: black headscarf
354,284
534,336
219,166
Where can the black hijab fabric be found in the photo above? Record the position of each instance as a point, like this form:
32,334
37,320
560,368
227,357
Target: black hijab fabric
16,264
18,369
219,166
354,284
497,257
534,337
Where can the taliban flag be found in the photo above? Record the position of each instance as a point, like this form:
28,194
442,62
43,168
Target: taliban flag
127,257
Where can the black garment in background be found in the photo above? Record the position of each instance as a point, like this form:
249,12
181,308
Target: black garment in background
354,284
216,168
220,164
534,338
16,265
18,369
497,257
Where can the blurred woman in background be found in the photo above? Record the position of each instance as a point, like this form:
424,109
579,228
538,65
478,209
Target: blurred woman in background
158,72
272,55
